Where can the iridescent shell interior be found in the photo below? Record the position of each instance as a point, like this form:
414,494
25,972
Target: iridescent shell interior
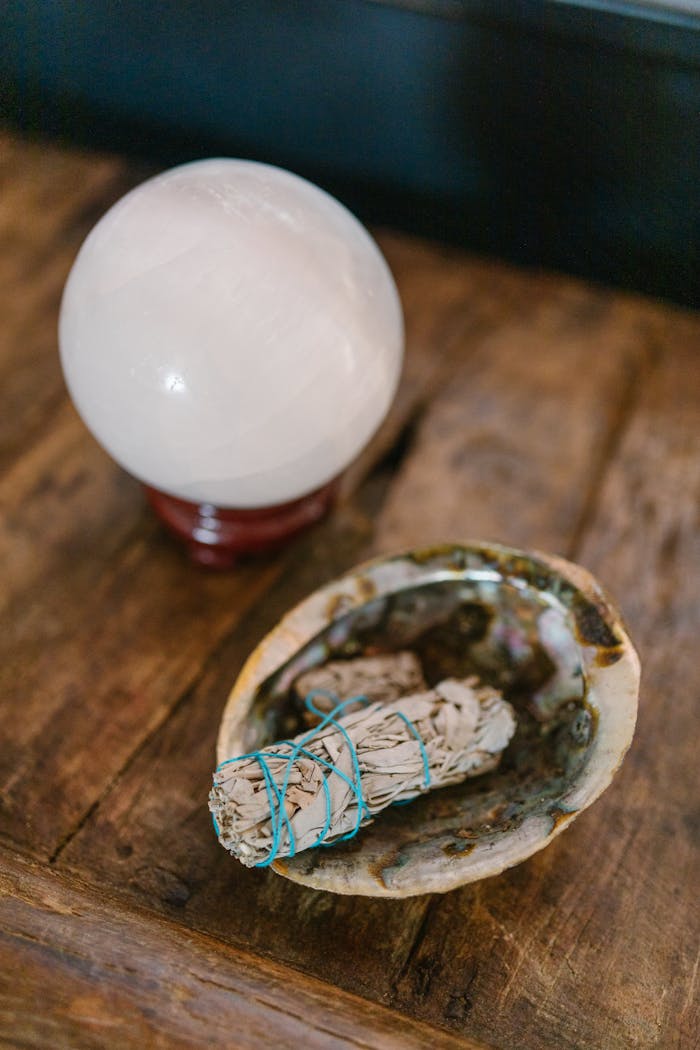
517,622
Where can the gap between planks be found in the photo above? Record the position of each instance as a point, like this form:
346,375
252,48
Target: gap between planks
642,373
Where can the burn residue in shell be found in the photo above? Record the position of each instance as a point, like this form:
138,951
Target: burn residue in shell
458,628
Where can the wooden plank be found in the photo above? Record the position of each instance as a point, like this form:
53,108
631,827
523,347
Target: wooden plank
62,503
511,447
594,943
49,199
84,971
450,302
150,833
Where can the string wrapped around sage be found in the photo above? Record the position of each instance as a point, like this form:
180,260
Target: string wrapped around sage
325,784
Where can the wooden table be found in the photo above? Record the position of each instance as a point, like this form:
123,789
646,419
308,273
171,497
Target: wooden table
534,410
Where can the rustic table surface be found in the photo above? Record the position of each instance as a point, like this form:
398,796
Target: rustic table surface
534,410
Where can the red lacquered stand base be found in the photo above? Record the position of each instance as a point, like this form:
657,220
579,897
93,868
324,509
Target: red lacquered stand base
217,536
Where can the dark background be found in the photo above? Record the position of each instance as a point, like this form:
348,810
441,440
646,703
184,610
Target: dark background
549,133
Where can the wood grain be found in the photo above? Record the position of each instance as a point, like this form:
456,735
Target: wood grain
81,971
154,841
607,915
450,303
49,198
511,447
533,409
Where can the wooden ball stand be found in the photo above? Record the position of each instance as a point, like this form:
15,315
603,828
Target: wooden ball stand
216,537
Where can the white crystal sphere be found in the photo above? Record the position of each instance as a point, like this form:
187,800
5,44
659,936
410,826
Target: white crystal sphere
231,334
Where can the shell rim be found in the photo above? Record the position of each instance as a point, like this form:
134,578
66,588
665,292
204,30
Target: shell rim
613,691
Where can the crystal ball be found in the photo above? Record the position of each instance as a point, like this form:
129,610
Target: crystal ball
231,334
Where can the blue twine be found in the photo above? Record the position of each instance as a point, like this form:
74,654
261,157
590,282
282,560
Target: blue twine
421,745
276,794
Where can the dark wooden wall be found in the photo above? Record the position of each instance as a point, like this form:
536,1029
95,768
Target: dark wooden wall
555,134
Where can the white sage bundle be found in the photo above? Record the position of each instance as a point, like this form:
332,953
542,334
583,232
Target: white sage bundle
327,783
385,677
